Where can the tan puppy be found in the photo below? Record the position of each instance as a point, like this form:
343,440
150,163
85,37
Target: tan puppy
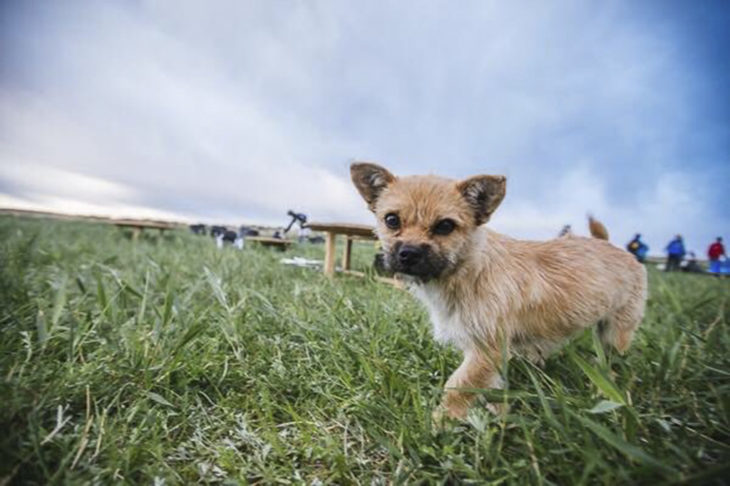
486,292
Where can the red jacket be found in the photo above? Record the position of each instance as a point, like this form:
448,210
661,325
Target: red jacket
716,251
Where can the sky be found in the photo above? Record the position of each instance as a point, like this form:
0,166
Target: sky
236,111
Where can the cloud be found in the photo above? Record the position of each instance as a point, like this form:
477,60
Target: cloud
75,206
665,208
238,111
48,180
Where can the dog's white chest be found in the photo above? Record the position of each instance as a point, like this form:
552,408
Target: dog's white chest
448,325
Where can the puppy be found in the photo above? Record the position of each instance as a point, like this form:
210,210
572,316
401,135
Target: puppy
489,294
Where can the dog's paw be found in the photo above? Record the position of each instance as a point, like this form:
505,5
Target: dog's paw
441,420
443,414
498,409
437,417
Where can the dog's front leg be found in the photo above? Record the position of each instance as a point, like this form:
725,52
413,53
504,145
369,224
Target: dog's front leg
476,371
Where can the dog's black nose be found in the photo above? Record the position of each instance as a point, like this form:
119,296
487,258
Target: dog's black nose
409,255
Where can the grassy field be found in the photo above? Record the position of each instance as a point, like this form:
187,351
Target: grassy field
168,361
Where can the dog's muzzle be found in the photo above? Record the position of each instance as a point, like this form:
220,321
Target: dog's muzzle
416,260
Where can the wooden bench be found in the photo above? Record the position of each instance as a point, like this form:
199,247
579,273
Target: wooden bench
279,243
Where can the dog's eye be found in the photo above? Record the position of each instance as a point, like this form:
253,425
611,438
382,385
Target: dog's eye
392,221
444,227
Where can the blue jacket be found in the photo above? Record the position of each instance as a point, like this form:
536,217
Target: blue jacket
676,247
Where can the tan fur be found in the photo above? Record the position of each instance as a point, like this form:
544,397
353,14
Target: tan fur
597,229
498,293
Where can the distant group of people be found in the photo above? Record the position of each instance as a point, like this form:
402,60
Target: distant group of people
223,234
676,253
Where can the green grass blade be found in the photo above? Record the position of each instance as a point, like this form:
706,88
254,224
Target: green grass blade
629,450
600,380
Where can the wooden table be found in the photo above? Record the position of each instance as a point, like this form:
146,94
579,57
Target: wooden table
351,231
267,241
138,225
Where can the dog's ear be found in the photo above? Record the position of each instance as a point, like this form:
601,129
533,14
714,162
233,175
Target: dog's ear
370,180
483,193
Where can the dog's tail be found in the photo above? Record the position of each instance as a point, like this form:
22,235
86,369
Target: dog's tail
598,230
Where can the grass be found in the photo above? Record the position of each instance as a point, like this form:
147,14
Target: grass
168,361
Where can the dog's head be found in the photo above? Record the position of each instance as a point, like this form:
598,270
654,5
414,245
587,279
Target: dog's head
425,223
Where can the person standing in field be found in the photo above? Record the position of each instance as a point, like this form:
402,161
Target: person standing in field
714,253
638,248
675,253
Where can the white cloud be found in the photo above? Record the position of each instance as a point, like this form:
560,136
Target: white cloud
666,207
238,111
48,180
74,206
